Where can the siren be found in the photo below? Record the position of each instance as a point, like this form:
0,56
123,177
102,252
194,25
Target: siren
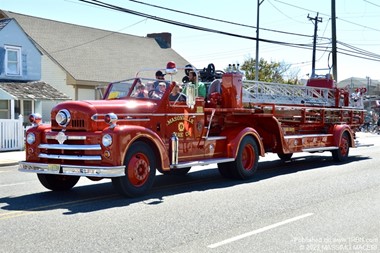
171,68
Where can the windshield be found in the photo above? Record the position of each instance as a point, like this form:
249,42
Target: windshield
137,88
119,89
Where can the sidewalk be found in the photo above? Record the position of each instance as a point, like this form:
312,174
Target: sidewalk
8,158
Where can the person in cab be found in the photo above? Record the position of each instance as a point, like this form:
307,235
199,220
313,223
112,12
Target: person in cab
176,95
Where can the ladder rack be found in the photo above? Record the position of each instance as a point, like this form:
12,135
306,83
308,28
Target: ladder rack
263,92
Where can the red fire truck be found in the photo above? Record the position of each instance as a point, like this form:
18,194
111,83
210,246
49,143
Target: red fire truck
127,138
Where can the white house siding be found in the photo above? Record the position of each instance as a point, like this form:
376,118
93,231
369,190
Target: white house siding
86,94
46,109
54,75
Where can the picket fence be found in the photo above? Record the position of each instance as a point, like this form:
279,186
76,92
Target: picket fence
12,134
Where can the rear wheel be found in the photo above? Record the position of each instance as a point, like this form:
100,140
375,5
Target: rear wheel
246,162
285,157
139,172
341,154
58,182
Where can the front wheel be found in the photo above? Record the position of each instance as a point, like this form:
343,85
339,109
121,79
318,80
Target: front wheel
341,154
58,182
140,171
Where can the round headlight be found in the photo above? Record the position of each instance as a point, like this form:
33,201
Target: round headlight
30,138
63,117
107,140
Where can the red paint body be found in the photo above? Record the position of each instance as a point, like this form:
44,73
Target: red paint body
210,131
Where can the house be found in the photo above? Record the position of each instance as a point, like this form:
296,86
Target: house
21,91
76,60
20,71
372,86
371,99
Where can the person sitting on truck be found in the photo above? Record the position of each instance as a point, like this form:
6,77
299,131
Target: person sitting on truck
199,85
157,93
160,78
176,94
140,92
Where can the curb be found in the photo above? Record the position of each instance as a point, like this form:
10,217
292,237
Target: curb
4,164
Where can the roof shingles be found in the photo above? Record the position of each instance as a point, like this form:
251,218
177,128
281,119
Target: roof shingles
33,91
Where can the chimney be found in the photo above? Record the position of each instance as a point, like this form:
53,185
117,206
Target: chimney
164,39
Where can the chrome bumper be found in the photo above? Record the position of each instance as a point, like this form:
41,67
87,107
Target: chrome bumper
72,170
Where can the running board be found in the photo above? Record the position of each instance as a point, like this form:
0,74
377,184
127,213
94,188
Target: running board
200,163
319,149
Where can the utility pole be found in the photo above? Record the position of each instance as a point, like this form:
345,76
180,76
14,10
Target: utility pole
333,38
257,40
316,20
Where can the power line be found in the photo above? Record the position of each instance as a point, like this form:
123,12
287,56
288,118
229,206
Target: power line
220,20
118,8
371,3
99,38
353,52
344,20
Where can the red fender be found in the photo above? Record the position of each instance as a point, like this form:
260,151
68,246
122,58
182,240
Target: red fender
235,136
338,130
124,136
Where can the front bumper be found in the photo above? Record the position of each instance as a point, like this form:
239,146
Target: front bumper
72,170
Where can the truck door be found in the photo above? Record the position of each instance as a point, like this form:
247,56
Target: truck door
188,124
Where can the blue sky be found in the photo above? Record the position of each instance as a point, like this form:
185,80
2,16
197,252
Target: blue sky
357,25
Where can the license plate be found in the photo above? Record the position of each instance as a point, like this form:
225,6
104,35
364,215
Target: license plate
54,167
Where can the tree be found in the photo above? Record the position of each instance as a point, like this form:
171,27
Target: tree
274,72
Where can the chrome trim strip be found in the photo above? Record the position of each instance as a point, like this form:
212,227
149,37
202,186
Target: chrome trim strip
187,114
214,138
201,163
70,147
306,136
133,120
78,138
72,170
124,117
72,157
320,149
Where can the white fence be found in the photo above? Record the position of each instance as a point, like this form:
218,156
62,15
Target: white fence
11,134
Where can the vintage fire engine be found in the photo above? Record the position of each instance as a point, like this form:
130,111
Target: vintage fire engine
127,138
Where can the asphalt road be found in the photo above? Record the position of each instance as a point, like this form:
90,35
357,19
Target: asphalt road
310,204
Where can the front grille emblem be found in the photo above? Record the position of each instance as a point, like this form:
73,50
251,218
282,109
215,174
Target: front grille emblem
61,137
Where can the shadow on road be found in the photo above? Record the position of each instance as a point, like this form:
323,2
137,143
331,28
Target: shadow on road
100,196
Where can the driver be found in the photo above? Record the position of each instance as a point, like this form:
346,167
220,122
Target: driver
141,92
